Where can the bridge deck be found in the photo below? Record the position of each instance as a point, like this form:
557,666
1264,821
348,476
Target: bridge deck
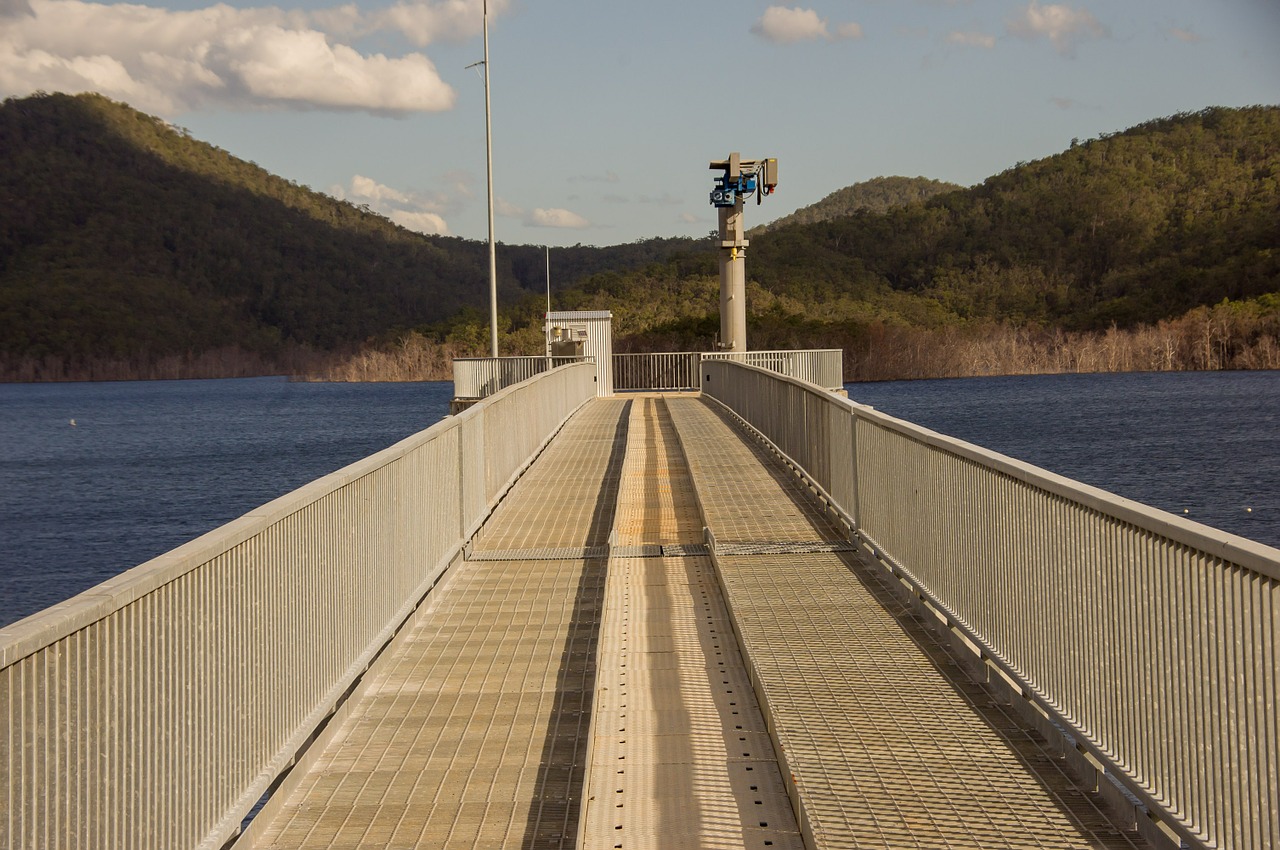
559,692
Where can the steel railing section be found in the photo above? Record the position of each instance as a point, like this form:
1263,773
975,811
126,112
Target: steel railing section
822,367
1153,640
678,370
667,370
155,709
481,377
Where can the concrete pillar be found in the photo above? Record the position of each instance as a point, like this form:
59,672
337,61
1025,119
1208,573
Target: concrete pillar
733,279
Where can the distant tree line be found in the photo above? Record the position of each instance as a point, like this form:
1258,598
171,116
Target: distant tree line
125,244
877,195
128,249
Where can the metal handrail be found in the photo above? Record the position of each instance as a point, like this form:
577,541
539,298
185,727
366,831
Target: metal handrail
822,367
481,377
679,370
155,710
1153,639
667,370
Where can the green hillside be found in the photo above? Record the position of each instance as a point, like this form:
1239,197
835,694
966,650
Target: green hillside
125,243
878,195
128,249
1124,231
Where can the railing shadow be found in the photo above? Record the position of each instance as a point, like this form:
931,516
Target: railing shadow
557,799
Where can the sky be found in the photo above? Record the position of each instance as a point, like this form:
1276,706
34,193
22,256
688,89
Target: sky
605,115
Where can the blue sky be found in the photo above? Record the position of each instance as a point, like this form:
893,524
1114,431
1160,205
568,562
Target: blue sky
606,114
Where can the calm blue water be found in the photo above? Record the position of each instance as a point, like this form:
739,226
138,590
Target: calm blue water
148,466
1204,445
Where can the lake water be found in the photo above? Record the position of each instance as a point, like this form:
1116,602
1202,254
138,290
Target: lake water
148,466
1204,445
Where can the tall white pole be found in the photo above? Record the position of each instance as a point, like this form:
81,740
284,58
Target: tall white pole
733,279
488,145
547,323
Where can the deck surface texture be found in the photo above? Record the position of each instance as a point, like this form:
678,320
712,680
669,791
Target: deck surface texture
888,744
681,758
473,730
552,693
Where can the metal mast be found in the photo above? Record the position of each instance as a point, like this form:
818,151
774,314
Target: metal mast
741,179
488,147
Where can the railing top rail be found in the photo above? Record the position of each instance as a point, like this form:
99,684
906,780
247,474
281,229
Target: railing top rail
1241,551
656,353
523,357
28,635
731,354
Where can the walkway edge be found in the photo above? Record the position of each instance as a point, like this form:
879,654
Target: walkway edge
788,777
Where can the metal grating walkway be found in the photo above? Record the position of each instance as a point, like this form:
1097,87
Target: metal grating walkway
681,757
548,696
885,749
471,732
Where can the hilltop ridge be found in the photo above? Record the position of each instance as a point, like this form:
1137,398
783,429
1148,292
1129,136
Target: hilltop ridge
130,249
1153,248
877,195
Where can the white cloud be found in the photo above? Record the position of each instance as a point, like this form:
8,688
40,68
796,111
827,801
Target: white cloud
689,218
972,39
785,25
428,21
458,182
1062,25
555,218
506,209
169,62
14,8
371,190
413,210
1186,35
423,222
282,66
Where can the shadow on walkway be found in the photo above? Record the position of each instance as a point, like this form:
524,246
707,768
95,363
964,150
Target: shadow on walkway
557,801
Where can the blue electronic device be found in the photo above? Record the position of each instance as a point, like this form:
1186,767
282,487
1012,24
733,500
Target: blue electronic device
742,178
727,190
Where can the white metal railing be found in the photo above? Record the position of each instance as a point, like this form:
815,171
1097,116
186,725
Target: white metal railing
481,377
154,710
668,370
1155,640
678,370
823,367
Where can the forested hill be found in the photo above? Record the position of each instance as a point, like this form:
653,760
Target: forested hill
1155,247
124,242
1132,227
878,195
128,249
1145,232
